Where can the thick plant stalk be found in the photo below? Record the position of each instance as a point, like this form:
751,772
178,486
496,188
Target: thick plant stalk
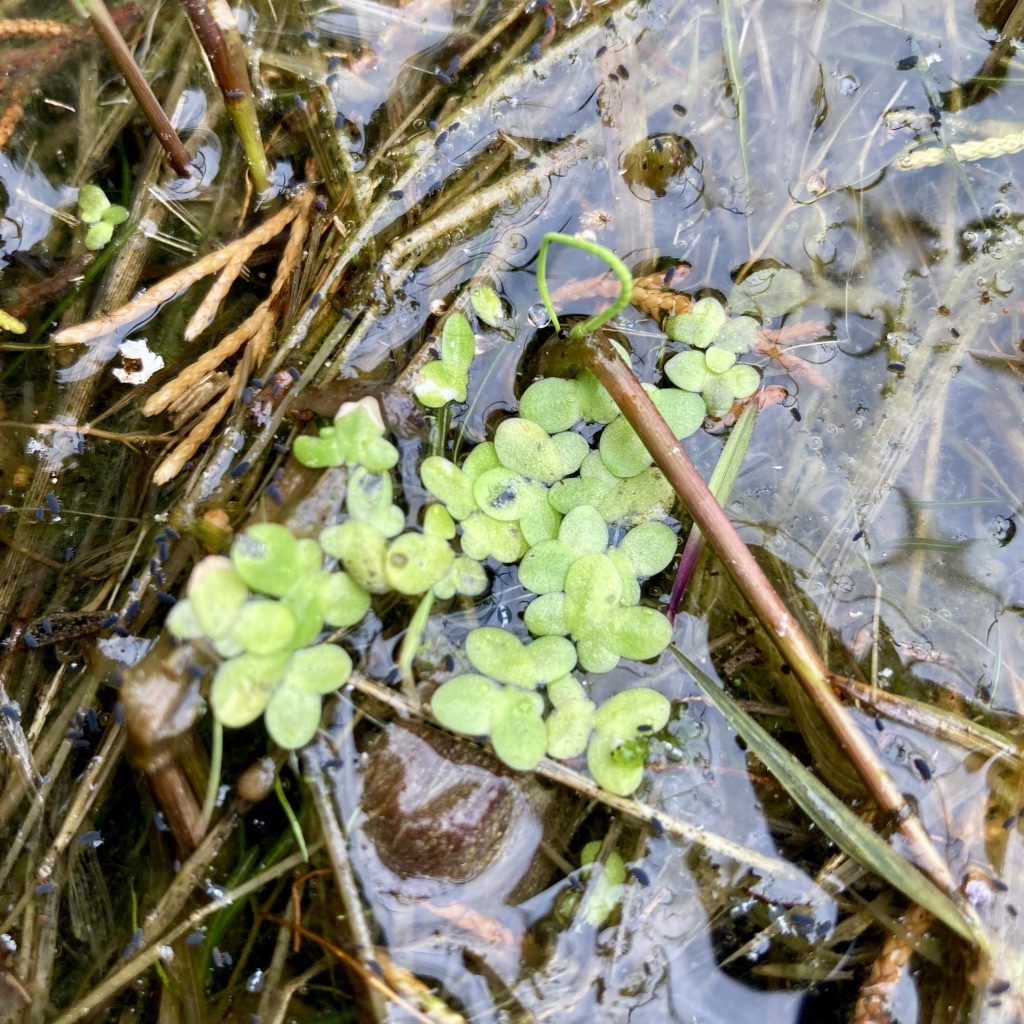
231,75
599,356
104,26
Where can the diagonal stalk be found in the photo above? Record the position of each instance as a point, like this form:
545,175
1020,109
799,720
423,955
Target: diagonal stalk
228,65
107,30
597,354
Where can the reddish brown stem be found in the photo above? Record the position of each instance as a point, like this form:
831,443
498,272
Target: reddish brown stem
600,357
104,26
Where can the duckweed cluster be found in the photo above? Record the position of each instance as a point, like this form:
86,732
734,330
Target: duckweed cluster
710,368
100,215
584,520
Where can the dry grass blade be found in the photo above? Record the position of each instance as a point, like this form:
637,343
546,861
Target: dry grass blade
368,976
256,326
124,974
147,303
175,462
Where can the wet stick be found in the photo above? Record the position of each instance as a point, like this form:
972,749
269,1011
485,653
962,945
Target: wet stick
588,347
597,354
105,28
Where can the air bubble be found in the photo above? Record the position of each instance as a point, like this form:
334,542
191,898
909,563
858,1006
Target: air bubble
538,315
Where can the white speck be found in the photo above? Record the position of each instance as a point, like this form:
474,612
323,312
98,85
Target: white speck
140,362
124,649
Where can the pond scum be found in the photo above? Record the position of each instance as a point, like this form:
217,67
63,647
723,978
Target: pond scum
363,621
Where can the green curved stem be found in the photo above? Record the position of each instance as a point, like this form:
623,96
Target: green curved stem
618,268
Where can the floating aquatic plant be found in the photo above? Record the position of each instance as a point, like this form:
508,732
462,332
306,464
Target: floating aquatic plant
101,216
356,438
710,368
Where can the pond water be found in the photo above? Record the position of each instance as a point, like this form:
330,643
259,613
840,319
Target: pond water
846,173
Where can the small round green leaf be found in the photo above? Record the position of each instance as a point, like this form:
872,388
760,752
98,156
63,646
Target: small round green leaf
539,520
698,327
502,493
739,335
115,215
292,717
242,687
718,395
92,204
719,359
743,380
488,305
437,521
440,383
618,775
484,537
527,448
304,602
343,602
572,450
320,669
266,556
569,728
596,404
464,704
98,235
593,589
688,370
628,713
630,584
595,656
563,690
605,892
584,531
449,484
544,567
648,495
217,593
264,626
368,494
504,657
362,550
416,561
518,734
458,345
553,403
639,633
482,458
649,548
545,615
566,495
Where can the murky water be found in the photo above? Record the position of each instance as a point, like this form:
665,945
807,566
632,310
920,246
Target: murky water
773,147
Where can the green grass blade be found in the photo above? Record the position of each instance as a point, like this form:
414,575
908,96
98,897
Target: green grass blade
849,832
731,54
